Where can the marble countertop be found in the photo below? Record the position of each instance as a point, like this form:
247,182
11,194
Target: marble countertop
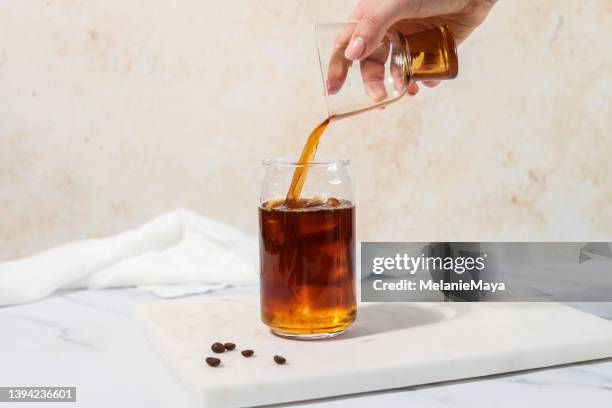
91,340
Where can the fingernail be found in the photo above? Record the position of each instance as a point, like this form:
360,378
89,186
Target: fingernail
332,87
355,49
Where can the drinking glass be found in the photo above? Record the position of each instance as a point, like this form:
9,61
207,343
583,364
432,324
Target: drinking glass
307,253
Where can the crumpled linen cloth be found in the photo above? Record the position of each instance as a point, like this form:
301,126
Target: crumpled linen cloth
177,248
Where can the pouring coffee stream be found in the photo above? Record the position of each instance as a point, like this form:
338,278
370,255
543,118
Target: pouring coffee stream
384,76
307,156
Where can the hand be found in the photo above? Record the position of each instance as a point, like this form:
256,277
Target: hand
375,17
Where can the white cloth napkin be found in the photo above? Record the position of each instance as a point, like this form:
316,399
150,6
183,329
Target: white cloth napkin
180,247
177,291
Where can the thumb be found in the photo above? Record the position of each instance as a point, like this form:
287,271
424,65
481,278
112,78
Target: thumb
368,34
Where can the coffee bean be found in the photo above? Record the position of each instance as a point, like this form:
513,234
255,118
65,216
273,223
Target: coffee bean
279,360
217,348
213,362
229,346
247,353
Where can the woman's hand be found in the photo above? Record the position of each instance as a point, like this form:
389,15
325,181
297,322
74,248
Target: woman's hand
375,17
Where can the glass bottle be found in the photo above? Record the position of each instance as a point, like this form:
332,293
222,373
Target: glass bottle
383,77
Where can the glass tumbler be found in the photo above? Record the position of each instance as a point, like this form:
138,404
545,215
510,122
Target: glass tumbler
307,252
383,77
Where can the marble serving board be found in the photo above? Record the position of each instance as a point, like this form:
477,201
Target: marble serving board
391,345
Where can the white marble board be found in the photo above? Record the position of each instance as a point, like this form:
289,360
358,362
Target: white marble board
390,346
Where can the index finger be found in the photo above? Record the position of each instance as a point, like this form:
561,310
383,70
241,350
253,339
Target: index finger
338,63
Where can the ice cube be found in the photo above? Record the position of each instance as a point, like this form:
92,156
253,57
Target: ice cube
334,202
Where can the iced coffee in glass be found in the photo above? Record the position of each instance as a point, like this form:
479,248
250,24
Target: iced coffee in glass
307,249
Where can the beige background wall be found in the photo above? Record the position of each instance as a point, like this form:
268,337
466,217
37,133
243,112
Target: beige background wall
112,112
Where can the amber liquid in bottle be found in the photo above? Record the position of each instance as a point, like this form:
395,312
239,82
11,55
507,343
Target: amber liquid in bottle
431,55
